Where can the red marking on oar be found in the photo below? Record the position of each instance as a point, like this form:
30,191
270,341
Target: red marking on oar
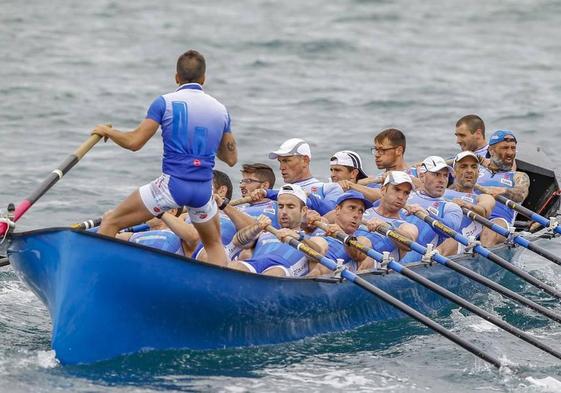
22,208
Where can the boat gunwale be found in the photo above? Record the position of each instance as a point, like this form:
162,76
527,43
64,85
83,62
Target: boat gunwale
324,279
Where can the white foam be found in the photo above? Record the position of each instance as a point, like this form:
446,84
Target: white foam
549,384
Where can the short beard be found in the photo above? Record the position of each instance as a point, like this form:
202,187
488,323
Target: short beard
500,164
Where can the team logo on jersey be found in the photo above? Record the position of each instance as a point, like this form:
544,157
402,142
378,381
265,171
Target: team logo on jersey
157,209
269,210
197,162
432,210
314,189
506,181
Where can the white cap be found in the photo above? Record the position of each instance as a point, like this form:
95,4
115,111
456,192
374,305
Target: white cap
398,177
294,189
292,147
460,156
434,164
348,158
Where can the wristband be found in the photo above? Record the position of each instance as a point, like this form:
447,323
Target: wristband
160,215
224,204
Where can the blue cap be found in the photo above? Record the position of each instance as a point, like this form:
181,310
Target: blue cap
500,136
351,194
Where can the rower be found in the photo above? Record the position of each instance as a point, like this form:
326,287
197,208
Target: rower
294,157
433,174
395,193
266,253
500,179
255,179
462,193
346,165
348,217
470,135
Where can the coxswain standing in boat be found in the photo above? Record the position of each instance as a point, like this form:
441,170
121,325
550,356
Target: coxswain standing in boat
394,194
179,235
470,135
267,254
348,213
195,130
500,179
434,172
294,157
463,194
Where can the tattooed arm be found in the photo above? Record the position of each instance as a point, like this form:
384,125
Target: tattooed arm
245,237
521,188
228,152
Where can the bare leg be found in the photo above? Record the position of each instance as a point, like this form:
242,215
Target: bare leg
320,245
490,238
210,237
275,271
129,212
238,266
448,247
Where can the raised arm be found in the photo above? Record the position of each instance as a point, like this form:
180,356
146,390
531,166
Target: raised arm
228,151
132,140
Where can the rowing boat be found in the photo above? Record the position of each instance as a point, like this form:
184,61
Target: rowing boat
108,297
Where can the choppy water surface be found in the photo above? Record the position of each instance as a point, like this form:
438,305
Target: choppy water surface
332,72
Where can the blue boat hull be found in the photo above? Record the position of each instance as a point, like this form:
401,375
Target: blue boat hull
108,297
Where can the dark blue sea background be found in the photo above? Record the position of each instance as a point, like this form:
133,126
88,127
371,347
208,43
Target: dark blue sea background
332,72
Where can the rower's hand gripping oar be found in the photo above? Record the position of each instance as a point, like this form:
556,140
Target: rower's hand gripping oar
518,239
439,226
52,179
352,277
436,257
399,268
551,223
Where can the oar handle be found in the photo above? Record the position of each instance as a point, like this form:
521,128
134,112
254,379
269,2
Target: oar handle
521,209
53,178
241,201
479,249
516,238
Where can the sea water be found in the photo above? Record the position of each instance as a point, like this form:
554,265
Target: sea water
332,72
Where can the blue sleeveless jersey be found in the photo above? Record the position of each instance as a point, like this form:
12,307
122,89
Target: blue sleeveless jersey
193,124
468,227
164,240
337,250
448,213
379,242
270,251
498,179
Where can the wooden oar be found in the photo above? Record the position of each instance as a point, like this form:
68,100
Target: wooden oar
399,268
553,224
355,279
479,249
436,257
51,180
518,239
241,201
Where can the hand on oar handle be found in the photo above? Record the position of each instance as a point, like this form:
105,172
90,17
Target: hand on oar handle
102,130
